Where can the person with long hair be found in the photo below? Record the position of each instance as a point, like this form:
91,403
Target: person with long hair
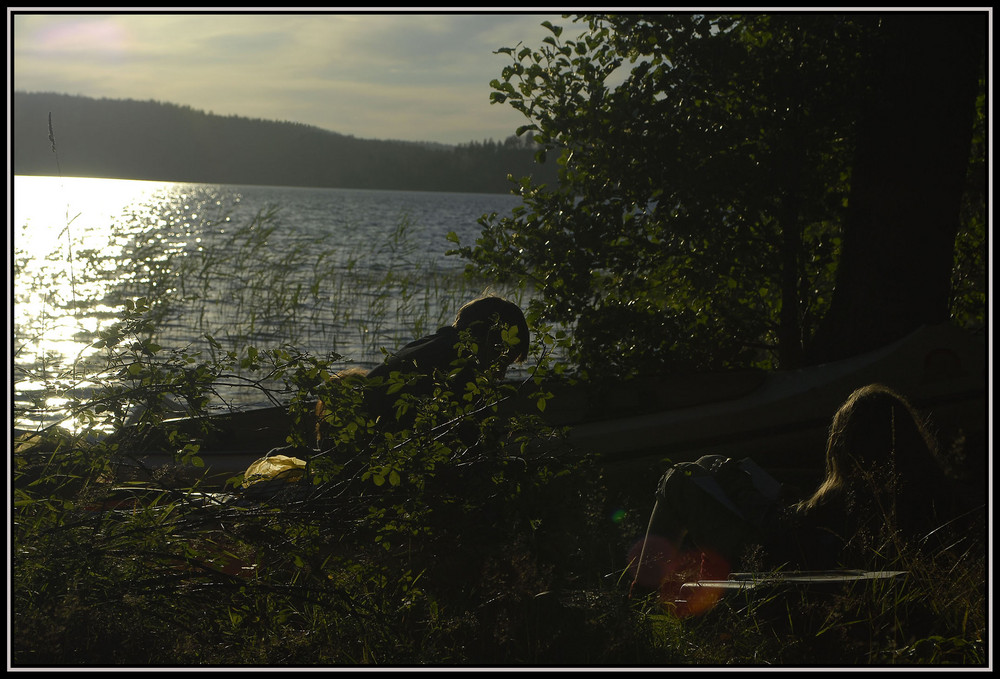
884,487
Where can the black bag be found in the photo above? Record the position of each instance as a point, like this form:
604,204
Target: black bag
723,504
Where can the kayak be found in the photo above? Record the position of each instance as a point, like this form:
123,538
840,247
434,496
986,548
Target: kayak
782,419
779,418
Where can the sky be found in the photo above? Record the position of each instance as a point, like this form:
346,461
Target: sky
377,75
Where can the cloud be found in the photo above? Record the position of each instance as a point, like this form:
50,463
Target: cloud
401,76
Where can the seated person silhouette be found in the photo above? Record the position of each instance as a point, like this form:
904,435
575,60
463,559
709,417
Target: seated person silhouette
487,336
885,487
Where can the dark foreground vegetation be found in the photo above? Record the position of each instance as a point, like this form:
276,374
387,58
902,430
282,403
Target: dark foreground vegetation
723,228
423,546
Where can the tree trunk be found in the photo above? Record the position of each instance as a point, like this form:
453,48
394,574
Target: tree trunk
790,317
912,155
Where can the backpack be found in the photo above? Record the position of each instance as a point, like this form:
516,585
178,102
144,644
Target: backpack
723,504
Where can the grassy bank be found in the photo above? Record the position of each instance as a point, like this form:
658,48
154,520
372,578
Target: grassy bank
413,548
415,551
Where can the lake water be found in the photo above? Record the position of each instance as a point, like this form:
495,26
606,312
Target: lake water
329,270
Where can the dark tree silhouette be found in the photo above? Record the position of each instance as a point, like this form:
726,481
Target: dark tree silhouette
909,171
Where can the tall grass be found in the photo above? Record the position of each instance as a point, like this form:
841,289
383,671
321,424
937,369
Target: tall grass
235,288
241,285
410,548
935,614
311,293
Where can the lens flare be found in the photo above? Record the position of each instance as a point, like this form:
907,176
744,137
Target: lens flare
658,566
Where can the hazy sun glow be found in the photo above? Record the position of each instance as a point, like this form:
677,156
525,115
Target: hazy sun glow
105,36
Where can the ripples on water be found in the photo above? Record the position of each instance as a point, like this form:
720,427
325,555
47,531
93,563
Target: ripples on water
326,270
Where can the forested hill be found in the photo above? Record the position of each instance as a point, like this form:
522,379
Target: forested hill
130,139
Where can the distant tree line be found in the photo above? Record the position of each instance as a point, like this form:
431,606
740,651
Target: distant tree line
152,140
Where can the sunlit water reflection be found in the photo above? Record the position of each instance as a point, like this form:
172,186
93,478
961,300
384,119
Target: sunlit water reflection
331,271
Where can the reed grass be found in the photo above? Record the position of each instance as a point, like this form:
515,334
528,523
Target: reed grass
242,286
311,294
517,567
